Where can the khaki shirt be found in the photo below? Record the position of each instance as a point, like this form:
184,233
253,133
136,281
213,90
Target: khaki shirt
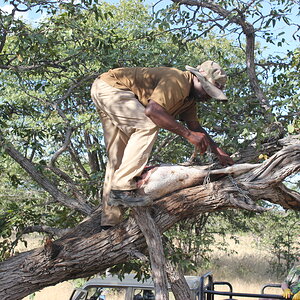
168,87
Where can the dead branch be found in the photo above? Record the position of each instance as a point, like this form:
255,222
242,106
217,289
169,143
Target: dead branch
54,232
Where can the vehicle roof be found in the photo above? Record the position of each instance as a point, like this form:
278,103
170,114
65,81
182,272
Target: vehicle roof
130,281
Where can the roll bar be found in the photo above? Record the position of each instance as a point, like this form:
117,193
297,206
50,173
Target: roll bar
207,289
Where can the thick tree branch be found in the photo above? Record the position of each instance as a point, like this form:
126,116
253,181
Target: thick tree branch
156,252
86,250
179,286
55,232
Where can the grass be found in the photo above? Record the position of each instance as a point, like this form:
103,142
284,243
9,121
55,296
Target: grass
61,291
246,269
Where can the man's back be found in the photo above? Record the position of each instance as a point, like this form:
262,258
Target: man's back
169,87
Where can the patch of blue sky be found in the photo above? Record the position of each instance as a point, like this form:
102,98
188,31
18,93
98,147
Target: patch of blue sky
32,16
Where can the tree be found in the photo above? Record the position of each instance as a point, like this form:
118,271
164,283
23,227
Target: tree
86,245
52,153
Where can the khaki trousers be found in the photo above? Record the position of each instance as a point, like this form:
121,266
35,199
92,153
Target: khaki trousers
129,136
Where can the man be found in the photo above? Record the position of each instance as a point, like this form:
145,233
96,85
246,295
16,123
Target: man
291,284
133,103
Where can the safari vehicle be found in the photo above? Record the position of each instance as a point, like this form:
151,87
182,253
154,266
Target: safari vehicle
202,287
112,288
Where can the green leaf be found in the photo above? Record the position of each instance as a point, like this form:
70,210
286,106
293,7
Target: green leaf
291,128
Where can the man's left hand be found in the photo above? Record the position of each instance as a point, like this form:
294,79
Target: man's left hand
296,296
224,158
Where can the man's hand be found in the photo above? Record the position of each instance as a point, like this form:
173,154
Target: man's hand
224,158
199,140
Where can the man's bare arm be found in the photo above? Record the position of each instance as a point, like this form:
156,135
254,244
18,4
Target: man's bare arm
163,119
223,157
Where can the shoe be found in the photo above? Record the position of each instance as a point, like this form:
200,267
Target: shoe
128,198
103,228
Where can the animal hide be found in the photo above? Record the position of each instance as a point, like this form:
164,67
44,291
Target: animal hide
161,180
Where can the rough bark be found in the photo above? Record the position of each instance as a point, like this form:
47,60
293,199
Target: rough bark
251,153
179,286
155,249
86,250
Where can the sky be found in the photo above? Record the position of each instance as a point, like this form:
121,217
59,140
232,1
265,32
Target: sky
29,16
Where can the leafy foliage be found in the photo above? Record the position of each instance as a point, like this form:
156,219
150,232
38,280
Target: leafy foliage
278,233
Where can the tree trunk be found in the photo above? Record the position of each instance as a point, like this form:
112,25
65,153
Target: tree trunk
155,249
85,251
179,286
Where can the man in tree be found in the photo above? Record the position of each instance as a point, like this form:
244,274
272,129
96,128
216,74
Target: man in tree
291,285
133,103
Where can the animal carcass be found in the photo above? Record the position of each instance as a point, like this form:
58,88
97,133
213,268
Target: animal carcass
161,180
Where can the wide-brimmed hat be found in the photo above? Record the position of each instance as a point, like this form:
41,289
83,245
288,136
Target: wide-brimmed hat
212,78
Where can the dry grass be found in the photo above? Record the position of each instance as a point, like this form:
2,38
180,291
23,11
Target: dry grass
61,291
246,270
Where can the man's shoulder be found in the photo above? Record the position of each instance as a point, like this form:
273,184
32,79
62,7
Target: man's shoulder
159,75
171,73
156,70
164,69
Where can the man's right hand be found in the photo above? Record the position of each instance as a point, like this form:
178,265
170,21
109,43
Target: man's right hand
199,140
163,119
